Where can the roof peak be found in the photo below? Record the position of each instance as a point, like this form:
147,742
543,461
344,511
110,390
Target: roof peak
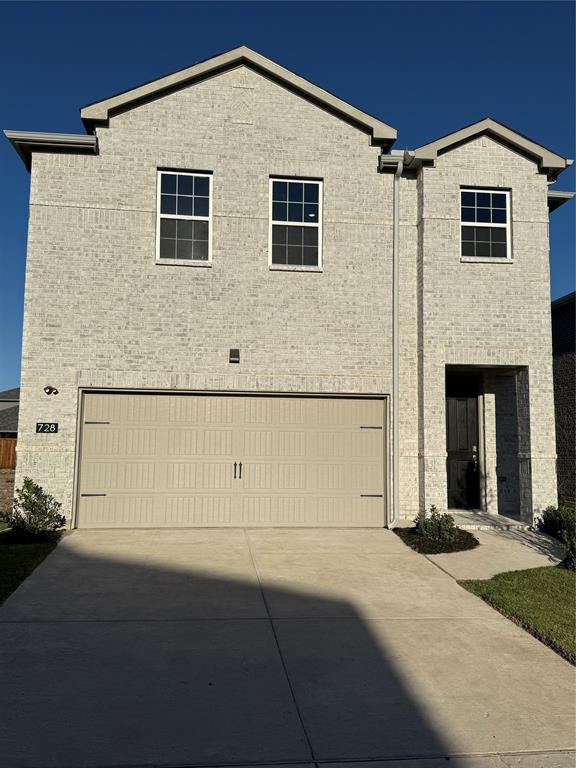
99,112
549,162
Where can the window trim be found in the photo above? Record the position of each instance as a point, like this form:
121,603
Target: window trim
507,226
160,216
318,225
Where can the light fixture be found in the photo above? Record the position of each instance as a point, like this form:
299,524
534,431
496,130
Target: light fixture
50,390
234,356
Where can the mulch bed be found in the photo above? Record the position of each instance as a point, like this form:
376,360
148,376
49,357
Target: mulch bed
464,540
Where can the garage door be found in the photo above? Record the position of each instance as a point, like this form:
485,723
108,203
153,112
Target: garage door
153,460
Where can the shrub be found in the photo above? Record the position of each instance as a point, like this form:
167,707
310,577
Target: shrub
569,541
554,520
560,522
436,526
35,514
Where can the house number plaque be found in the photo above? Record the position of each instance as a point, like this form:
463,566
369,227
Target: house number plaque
49,427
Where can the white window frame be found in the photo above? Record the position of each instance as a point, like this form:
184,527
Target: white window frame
507,226
318,225
159,216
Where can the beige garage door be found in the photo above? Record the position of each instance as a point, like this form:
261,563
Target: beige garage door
153,460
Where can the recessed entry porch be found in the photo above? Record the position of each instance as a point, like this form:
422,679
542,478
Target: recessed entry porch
488,466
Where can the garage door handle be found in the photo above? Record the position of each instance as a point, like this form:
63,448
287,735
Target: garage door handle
240,467
235,465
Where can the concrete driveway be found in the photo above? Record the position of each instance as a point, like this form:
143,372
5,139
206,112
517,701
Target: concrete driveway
296,647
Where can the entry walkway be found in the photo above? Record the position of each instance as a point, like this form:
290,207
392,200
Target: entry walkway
500,551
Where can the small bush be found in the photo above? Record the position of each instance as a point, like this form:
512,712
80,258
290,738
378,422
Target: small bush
436,526
560,522
554,520
569,541
35,514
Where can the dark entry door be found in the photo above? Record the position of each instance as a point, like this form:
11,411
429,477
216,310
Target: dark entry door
462,449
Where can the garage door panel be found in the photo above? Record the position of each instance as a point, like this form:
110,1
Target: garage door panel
199,475
329,511
130,476
200,411
200,442
201,510
141,442
120,511
99,441
133,409
168,460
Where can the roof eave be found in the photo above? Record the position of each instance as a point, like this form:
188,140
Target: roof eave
27,142
569,298
556,198
100,112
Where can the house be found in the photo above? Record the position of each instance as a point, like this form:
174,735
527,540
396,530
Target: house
9,399
243,307
564,352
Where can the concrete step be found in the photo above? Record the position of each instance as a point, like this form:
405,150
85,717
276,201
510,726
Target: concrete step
480,521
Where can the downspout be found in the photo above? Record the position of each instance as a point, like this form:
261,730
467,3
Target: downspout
400,161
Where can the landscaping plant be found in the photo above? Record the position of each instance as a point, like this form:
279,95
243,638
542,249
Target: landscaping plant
35,514
435,533
436,526
560,522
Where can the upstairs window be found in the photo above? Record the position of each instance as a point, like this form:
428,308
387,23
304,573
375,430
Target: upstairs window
184,217
296,222
485,223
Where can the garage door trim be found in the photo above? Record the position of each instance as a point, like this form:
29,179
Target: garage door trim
83,391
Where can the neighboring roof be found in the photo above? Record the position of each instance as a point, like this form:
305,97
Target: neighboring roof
25,142
549,162
99,112
9,419
556,198
12,395
570,298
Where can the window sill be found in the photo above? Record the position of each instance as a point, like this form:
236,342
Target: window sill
485,260
183,263
294,268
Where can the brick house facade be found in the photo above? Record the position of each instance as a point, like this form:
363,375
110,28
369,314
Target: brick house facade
396,308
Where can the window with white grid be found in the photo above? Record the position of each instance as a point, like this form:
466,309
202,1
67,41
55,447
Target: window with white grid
485,223
184,217
295,223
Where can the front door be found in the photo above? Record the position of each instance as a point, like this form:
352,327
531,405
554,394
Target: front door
462,450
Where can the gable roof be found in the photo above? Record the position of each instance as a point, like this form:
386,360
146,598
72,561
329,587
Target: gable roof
9,420
99,112
549,162
10,395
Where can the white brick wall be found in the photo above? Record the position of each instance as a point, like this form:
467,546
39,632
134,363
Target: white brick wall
485,314
100,312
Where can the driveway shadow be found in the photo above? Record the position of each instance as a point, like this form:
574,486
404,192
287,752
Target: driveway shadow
112,656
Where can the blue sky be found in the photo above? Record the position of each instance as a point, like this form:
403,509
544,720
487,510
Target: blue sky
425,68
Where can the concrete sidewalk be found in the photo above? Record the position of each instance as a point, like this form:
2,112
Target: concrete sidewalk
500,551
324,648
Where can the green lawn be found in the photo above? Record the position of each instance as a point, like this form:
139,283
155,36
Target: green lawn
17,561
542,600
